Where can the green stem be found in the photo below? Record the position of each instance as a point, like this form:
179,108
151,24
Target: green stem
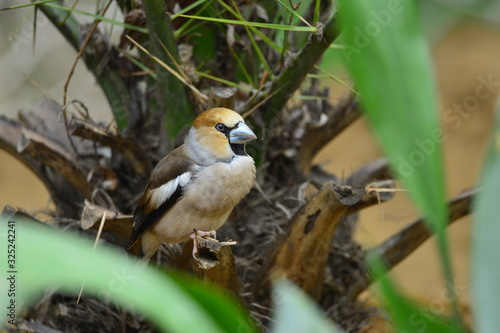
284,85
449,280
292,76
172,98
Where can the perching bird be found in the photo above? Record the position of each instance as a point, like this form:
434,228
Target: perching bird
196,186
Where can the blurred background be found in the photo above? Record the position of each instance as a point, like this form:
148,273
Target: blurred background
465,49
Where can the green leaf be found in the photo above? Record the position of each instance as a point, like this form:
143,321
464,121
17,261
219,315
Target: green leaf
485,251
47,257
226,82
407,315
230,315
296,312
482,9
35,3
250,24
389,60
98,17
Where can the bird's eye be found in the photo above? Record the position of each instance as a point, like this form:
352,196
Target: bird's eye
220,127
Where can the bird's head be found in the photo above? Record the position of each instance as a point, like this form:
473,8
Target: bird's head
217,135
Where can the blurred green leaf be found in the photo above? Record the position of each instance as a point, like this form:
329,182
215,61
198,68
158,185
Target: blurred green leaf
34,3
390,63
485,250
296,312
407,315
48,257
483,9
389,60
230,315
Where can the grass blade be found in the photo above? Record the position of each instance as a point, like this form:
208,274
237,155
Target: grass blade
294,12
99,18
34,3
296,312
407,315
388,58
223,81
48,257
250,24
486,228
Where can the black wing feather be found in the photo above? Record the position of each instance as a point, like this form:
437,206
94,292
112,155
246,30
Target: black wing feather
143,222
173,165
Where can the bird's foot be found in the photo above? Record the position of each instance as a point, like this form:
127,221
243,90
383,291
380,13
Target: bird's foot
200,233
211,233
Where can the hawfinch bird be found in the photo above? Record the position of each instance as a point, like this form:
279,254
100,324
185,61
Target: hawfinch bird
195,187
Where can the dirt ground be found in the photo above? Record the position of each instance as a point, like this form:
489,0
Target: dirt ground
464,60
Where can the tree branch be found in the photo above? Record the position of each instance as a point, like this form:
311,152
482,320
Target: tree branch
302,253
405,242
374,170
215,263
283,86
64,194
372,198
128,147
50,153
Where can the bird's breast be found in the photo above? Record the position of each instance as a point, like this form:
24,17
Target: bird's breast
208,199
221,186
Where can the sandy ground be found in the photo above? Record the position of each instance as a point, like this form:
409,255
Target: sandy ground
460,70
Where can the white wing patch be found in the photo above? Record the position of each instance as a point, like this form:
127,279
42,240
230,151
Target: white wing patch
161,194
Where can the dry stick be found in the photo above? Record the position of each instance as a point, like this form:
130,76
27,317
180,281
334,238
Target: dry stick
215,263
10,133
169,69
402,244
98,236
202,98
256,106
44,91
78,56
377,189
373,196
221,97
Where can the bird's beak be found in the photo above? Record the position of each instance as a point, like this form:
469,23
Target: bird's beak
241,134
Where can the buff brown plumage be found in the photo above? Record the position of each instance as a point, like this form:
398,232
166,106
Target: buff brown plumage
197,185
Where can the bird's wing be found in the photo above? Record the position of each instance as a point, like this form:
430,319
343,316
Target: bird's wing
165,187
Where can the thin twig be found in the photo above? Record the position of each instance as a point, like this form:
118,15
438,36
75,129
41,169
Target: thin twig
70,75
97,237
170,70
80,52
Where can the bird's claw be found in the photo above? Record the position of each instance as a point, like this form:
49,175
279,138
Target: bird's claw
200,233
